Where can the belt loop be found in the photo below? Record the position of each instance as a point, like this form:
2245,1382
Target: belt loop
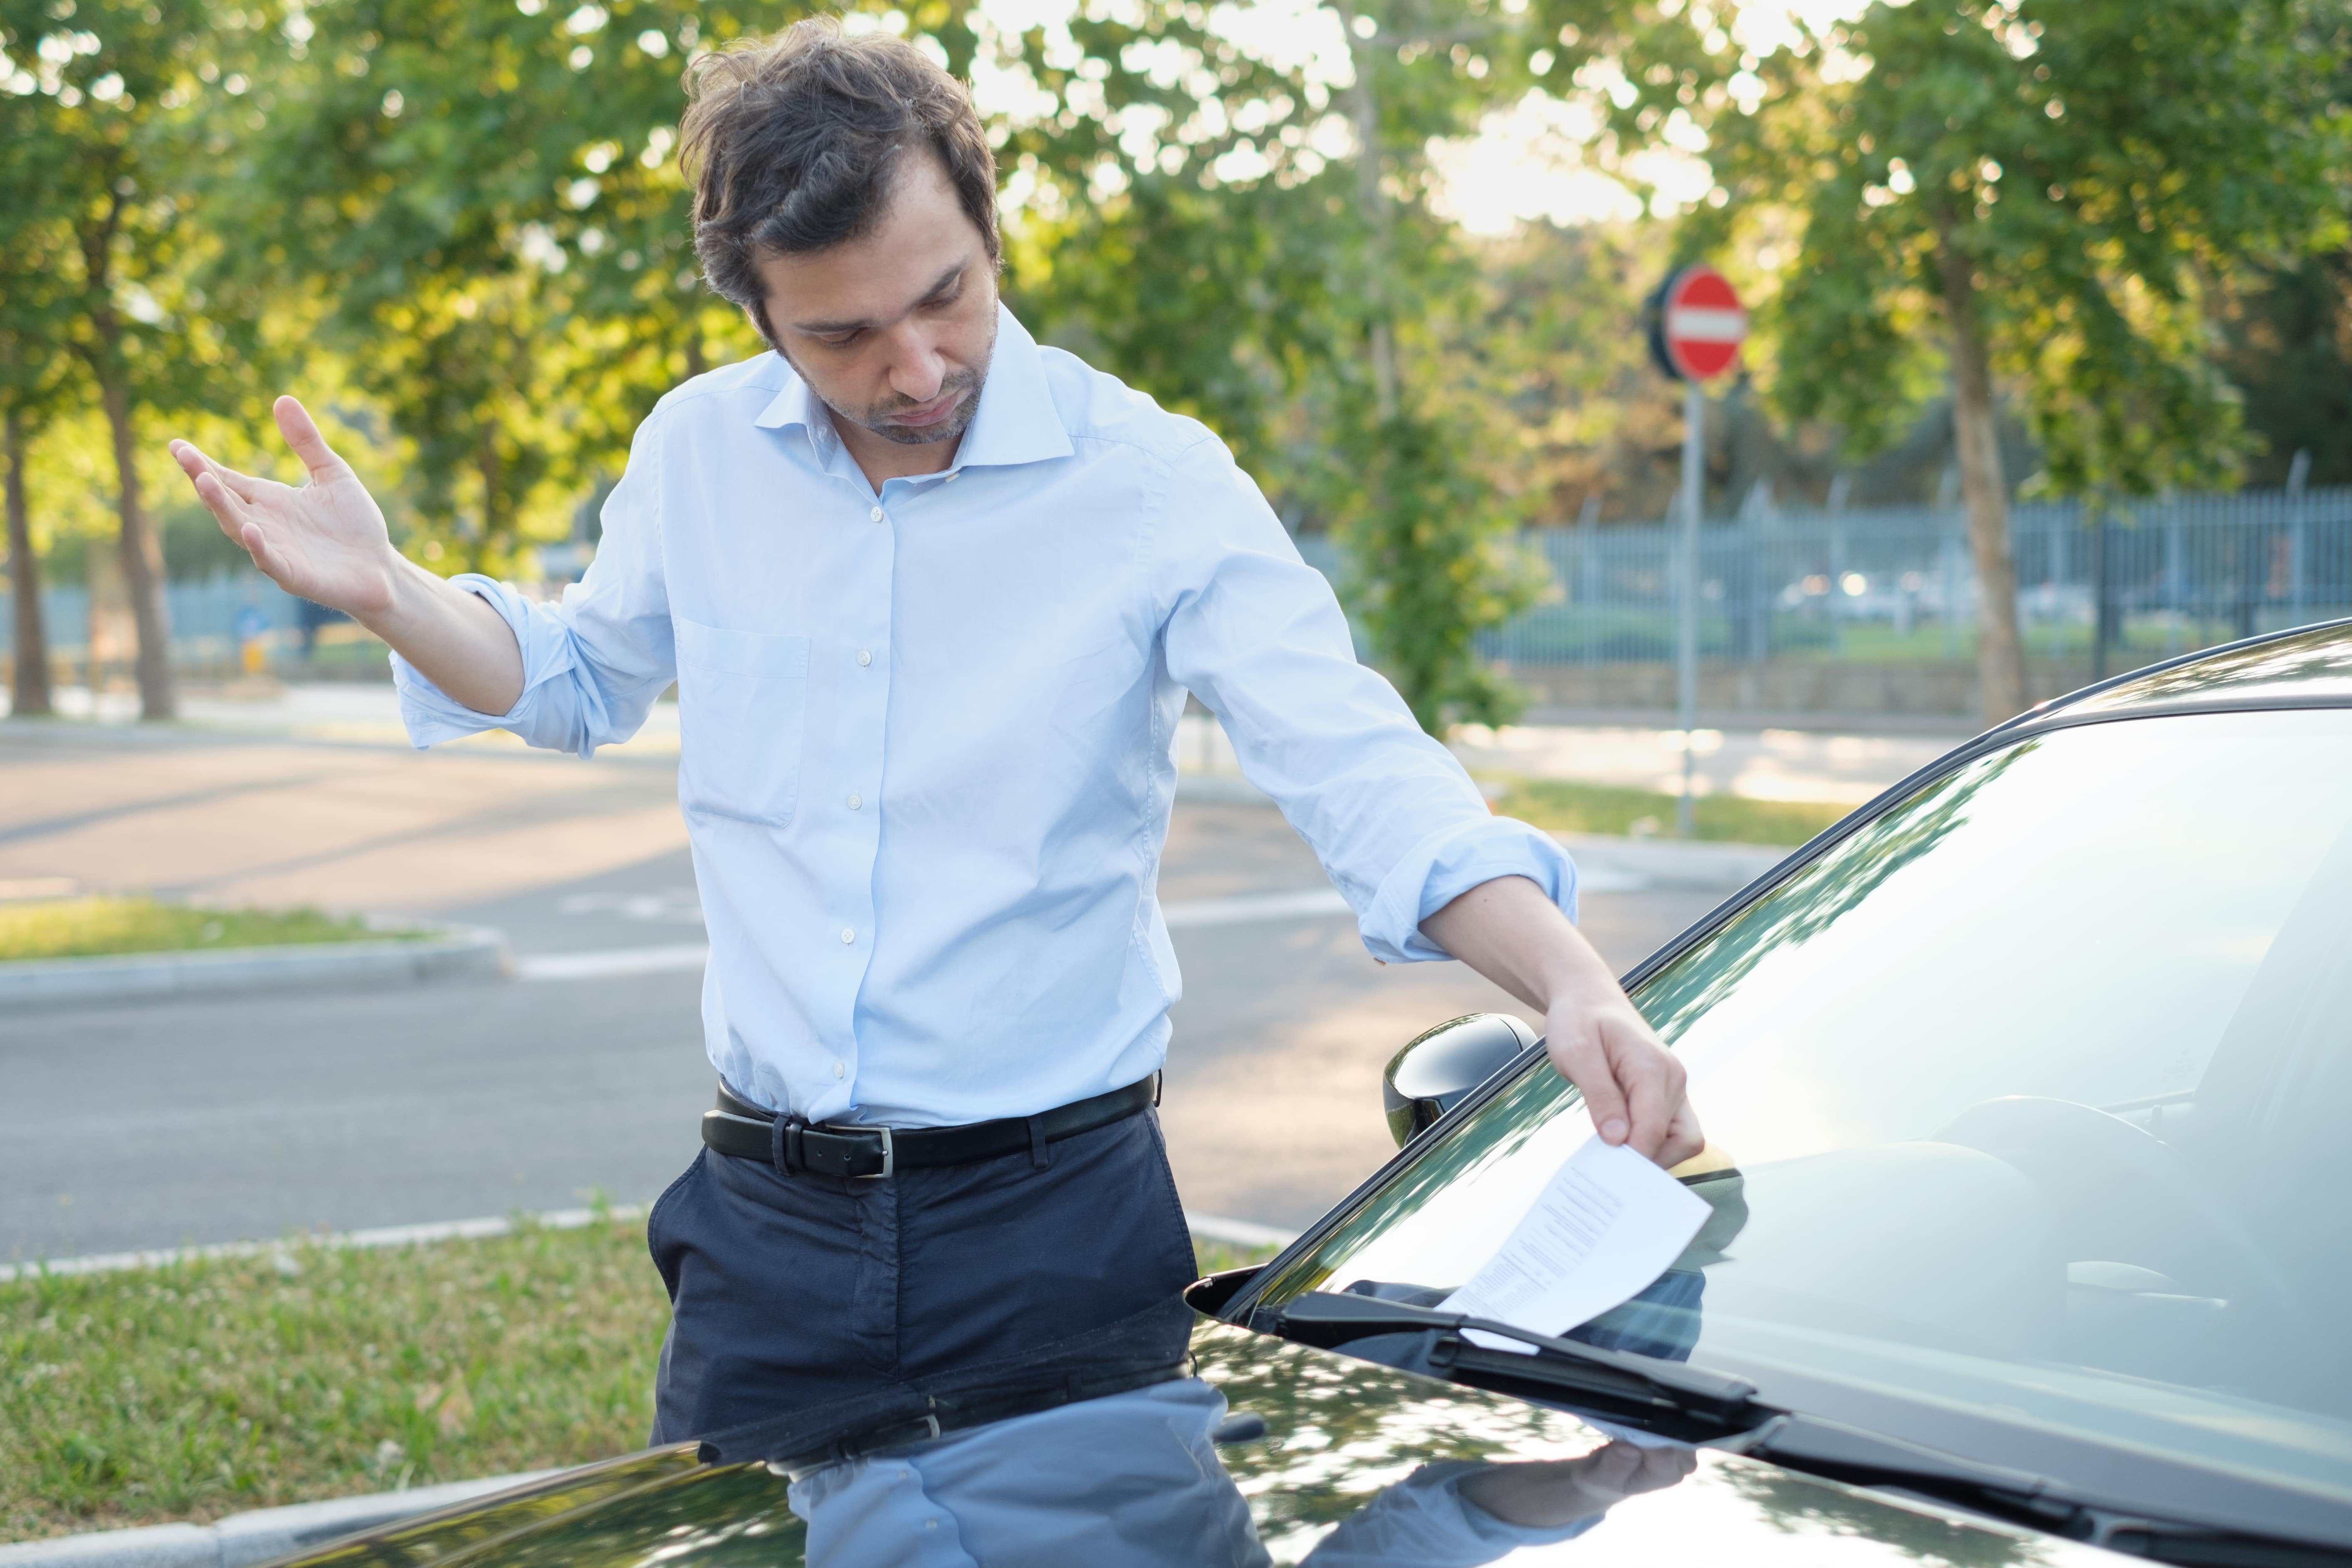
1041,1153
1159,1081
784,1146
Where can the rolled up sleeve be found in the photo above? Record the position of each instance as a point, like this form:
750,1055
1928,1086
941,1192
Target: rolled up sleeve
593,663
1259,637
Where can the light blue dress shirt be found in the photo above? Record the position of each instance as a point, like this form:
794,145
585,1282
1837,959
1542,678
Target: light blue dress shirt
927,734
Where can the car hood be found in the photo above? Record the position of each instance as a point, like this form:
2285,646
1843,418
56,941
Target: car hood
1268,1453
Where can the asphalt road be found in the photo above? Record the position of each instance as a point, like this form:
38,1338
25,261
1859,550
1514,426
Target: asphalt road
234,1118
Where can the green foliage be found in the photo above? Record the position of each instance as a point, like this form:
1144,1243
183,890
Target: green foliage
213,1386
1564,805
2090,166
83,928
1254,244
511,281
1431,561
210,1386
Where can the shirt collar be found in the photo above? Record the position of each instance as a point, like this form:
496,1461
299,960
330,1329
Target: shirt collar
1016,421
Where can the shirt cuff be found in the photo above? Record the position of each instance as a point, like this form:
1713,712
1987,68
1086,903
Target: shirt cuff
433,716
1448,864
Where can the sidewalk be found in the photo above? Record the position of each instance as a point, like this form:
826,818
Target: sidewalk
1832,768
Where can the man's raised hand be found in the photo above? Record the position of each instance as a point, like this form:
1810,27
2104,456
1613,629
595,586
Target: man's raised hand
324,540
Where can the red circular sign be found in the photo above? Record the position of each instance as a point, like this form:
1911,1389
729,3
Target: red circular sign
1704,324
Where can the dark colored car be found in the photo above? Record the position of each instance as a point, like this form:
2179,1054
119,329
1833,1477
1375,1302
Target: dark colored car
2028,1087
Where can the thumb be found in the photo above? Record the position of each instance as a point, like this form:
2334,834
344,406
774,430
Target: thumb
301,433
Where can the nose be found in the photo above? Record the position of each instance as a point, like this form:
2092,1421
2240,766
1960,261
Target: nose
917,369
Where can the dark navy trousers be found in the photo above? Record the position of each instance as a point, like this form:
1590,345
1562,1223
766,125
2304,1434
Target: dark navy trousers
791,1292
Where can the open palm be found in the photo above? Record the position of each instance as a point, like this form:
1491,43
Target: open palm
325,540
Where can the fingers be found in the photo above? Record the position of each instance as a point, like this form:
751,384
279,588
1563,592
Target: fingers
1581,1060
1633,1085
226,506
295,423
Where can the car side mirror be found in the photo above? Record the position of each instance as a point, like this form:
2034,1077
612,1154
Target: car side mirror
1437,1068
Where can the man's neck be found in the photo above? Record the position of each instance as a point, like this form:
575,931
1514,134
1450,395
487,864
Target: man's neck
881,459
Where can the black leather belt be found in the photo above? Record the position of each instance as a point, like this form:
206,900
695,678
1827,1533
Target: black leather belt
792,1145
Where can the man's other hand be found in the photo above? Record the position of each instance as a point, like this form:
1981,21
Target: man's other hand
1510,932
325,540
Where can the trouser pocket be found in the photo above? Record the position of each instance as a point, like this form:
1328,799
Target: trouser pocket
658,1244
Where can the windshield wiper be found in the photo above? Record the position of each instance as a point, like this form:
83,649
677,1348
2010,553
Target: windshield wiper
1645,1388
1863,1458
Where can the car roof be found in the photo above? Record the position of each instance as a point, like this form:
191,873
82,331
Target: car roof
2307,667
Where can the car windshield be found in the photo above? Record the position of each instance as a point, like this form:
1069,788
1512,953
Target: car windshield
2030,1099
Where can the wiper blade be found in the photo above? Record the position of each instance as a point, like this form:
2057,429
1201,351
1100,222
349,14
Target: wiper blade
1330,1321
1863,1458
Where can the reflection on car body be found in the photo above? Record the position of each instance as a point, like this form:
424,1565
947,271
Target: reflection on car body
2027,1085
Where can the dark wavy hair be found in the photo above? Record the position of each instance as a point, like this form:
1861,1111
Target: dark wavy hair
792,141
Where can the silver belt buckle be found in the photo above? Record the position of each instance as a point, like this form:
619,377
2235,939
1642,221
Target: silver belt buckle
890,1160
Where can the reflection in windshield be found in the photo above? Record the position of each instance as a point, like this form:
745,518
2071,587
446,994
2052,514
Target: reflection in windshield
2034,1085
1134,1480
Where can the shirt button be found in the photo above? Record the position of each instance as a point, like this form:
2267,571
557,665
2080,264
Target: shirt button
953,473
856,801
864,658
848,935
836,1069
874,516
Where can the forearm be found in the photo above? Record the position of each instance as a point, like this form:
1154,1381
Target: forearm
456,639
1509,931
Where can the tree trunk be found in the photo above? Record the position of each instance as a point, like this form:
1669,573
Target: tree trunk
142,555
2001,655
29,690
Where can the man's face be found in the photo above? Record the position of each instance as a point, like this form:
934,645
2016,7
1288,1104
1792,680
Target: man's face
892,329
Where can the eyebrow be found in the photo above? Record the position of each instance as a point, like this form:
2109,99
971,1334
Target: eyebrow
940,286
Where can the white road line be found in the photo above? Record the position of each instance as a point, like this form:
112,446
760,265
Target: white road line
1249,907
611,961
1246,909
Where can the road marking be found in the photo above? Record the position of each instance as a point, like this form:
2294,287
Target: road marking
1248,907
611,962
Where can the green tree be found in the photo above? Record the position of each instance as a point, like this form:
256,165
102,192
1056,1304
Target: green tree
1256,244
2037,194
30,360
487,202
106,112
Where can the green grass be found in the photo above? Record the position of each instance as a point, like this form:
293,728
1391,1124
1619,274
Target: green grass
92,927
207,1387
1559,805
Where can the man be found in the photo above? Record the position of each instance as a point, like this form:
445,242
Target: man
932,597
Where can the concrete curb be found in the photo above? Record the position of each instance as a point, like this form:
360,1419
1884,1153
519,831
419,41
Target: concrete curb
1673,862
287,1248
241,1540
456,953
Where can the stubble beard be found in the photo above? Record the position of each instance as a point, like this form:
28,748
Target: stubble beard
878,418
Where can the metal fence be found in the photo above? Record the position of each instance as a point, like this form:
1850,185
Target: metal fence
209,616
2132,580
2116,585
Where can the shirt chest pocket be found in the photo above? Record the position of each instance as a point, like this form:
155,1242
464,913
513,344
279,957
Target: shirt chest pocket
743,700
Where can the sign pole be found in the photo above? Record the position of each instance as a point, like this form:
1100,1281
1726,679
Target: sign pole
1686,632
1694,326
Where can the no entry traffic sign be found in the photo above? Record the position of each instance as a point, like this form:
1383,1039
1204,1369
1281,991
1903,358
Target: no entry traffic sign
1695,324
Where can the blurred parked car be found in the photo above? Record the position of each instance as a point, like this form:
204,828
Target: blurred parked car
2027,1086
